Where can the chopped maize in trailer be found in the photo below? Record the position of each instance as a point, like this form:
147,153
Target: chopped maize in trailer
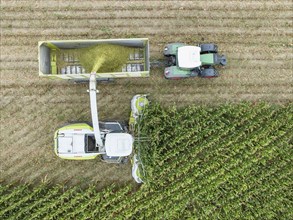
76,59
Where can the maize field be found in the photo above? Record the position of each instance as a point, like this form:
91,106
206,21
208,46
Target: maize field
256,37
213,161
233,161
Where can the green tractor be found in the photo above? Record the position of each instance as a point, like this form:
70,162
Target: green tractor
188,61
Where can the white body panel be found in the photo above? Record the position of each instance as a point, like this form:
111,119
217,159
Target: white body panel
189,57
142,104
78,143
94,110
133,105
65,144
71,144
118,144
135,170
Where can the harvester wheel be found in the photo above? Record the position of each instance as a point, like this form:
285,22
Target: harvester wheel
124,160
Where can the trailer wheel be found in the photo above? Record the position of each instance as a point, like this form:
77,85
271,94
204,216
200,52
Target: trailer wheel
208,48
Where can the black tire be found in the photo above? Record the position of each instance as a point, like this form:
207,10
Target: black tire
171,60
195,72
208,48
124,160
209,73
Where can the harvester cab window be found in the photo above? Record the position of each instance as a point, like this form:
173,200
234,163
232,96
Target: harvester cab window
110,126
90,143
113,127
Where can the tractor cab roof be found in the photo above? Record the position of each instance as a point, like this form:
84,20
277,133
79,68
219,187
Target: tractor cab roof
189,57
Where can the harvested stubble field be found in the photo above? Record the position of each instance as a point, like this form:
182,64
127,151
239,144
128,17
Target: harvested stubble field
256,37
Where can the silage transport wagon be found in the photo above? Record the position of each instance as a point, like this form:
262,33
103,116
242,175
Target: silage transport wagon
109,58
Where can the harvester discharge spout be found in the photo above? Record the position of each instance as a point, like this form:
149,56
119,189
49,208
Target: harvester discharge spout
94,111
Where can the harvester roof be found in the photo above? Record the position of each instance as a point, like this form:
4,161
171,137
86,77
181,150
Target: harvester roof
71,143
118,144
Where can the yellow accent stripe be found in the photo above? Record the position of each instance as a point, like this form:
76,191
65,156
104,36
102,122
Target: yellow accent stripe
52,46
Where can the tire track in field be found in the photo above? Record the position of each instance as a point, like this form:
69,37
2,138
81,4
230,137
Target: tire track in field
262,31
153,22
255,36
160,40
238,63
137,14
151,5
31,168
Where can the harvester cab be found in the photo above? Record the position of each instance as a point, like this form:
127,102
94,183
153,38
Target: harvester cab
81,141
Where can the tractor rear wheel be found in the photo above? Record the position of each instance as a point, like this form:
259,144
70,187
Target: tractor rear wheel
208,48
209,73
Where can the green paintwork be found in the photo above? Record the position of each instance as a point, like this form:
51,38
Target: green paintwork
131,119
141,103
131,122
102,75
86,157
55,142
69,127
179,71
50,45
53,77
142,74
207,59
172,48
53,61
76,126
